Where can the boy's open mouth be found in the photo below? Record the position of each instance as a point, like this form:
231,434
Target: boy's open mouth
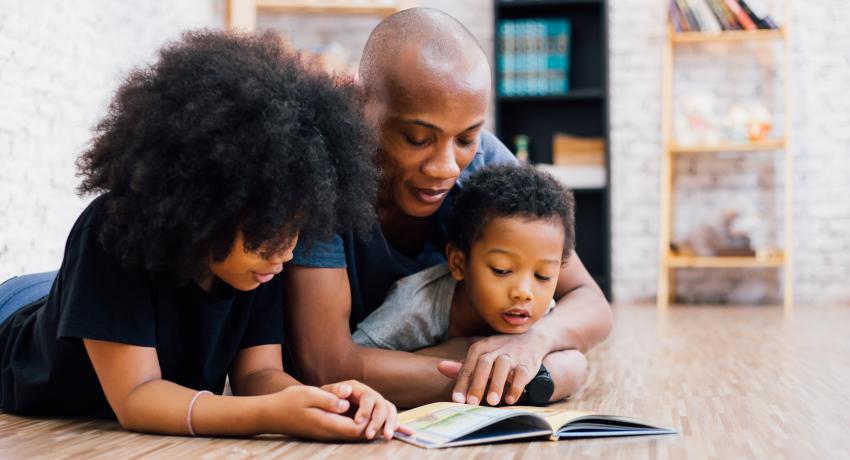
516,316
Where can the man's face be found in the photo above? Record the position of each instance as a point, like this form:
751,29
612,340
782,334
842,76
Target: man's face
429,121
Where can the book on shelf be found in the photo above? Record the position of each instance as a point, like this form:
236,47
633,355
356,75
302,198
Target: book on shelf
447,424
714,16
740,15
534,58
569,150
759,13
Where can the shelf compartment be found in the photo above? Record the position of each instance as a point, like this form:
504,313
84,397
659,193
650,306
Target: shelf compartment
509,4
728,36
576,94
327,7
768,261
756,146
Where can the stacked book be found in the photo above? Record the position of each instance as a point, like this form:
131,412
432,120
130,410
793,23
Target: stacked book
713,16
578,162
534,58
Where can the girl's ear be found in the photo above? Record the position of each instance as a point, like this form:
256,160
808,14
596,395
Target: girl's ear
456,260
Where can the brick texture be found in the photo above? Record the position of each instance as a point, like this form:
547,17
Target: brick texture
61,61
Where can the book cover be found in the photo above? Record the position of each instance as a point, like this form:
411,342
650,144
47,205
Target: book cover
708,23
723,11
759,13
741,15
447,424
688,14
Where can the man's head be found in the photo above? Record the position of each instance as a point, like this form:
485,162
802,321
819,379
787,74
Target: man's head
427,85
510,231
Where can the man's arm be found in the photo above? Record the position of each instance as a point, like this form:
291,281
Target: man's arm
318,306
581,319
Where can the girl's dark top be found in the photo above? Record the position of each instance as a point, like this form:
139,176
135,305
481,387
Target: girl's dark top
373,264
44,367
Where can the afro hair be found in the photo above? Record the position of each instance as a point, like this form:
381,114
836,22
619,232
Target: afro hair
509,191
223,133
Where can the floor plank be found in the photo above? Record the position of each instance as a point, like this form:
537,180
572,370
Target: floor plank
737,382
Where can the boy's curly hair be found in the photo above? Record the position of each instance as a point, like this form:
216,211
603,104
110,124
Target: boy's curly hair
227,132
509,191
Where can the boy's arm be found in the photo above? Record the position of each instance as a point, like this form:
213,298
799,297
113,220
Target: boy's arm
581,319
318,306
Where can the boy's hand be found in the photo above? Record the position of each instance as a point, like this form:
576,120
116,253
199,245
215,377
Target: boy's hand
500,360
374,413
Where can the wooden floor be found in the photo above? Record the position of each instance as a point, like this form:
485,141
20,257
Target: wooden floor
737,382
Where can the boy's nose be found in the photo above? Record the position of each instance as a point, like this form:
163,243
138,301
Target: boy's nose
521,293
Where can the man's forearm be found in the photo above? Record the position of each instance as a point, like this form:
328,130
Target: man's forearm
581,319
406,379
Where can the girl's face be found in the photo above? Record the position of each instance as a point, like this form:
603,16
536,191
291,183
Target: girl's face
245,270
511,271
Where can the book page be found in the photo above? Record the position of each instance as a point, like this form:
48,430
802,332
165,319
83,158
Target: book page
440,423
556,418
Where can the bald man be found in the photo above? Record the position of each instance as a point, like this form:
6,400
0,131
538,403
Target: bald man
427,85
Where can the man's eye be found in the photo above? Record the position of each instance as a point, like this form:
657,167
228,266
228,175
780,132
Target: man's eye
415,142
465,142
500,272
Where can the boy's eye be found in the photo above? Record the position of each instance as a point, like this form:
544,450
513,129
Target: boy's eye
543,277
499,271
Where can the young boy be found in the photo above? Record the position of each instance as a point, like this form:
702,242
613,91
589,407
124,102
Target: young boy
510,231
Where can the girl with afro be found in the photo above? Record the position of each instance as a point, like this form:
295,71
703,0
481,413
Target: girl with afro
208,165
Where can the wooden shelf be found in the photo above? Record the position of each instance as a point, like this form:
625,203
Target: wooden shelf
669,261
757,146
727,36
592,93
771,261
242,14
527,3
327,7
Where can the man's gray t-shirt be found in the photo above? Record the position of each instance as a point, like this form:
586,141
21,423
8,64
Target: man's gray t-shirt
414,315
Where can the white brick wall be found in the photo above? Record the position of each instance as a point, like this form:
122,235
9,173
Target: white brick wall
60,62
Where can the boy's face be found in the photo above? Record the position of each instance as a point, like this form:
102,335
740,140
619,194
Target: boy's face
510,273
246,270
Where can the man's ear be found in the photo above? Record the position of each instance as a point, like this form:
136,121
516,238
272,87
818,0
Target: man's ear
456,260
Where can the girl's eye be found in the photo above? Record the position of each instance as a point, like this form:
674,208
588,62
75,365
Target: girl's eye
543,277
500,272
415,142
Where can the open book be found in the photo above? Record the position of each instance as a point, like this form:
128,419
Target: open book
448,424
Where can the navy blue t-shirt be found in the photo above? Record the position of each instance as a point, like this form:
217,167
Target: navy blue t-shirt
373,264
44,367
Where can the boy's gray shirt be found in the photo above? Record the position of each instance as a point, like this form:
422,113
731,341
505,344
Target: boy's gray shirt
414,315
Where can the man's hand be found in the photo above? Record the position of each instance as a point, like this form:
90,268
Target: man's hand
501,360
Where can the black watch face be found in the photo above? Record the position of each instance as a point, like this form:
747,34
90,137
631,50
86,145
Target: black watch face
539,391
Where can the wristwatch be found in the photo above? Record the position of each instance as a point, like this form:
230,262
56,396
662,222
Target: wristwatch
539,390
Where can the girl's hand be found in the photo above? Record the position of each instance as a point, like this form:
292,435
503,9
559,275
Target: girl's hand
380,414
309,412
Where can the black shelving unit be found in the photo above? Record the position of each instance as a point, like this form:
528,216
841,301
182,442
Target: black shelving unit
582,111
